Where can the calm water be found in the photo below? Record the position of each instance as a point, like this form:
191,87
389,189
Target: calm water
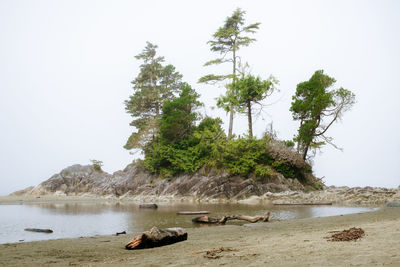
69,220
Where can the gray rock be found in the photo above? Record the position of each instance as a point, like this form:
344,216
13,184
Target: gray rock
393,204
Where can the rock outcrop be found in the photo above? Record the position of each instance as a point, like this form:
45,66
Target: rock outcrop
79,180
135,184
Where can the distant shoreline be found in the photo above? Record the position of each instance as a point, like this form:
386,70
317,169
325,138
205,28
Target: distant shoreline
346,196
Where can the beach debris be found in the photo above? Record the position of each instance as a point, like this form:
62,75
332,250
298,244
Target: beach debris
347,235
148,206
192,212
304,204
47,231
214,253
157,238
224,219
120,233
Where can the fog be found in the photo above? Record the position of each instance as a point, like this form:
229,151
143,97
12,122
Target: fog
66,68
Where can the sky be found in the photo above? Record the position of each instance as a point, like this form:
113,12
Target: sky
66,69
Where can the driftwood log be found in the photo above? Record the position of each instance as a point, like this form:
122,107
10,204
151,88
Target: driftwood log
224,219
304,204
121,233
157,238
47,231
148,206
192,212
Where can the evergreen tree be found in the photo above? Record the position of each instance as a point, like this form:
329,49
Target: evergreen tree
179,116
154,85
227,40
247,92
317,108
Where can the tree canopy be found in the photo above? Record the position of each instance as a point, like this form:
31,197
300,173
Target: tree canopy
317,106
175,139
247,92
227,40
154,85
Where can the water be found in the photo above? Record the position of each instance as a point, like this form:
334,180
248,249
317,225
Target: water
69,220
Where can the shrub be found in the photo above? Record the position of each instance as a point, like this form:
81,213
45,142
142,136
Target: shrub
97,164
242,155
262,171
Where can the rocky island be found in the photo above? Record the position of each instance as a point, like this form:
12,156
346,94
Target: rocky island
135,184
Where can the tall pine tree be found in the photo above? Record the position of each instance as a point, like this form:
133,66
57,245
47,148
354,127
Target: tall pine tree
154,85
227,40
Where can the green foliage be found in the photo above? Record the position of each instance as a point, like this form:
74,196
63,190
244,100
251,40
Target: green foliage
317,108
288,143
97,164
246,92
227,40
188,154
262,171
154,85
284,168
242,155
178,117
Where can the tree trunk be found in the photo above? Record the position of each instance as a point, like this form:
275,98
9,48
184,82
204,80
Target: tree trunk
305,151
249,119
230,131
157,238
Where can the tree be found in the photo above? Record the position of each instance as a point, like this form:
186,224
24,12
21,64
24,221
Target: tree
227,40
245,93
317,107
170,152
178,117
154,85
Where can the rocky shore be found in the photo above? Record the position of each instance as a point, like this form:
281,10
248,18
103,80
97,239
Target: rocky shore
134,184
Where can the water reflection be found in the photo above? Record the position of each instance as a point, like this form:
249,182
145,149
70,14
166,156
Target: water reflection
69,220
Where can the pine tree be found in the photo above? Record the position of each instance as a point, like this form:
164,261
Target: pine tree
154,85
227,40
317,108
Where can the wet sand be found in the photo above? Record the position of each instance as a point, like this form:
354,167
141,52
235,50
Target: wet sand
277,243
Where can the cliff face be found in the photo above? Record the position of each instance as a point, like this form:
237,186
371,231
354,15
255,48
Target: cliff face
132,181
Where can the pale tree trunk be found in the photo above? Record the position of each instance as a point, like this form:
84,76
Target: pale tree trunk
249,119
230,131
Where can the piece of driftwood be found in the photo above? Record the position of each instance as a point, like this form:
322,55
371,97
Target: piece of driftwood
224,219
47,231
121,233
192,212
302,204
148,206
157,238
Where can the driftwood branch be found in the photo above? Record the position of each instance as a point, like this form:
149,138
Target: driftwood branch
47,231
224,219
157,238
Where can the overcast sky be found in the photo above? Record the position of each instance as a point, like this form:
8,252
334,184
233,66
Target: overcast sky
66,68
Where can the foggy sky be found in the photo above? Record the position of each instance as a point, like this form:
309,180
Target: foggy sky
66,68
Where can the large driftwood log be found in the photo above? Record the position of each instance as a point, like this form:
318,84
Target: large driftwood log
224,219
304,204
192,212
157,238
148,206
47,231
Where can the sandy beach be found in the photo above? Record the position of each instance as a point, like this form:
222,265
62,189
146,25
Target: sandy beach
278,243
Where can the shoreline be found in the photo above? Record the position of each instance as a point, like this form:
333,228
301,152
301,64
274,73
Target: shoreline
343,196
276,243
